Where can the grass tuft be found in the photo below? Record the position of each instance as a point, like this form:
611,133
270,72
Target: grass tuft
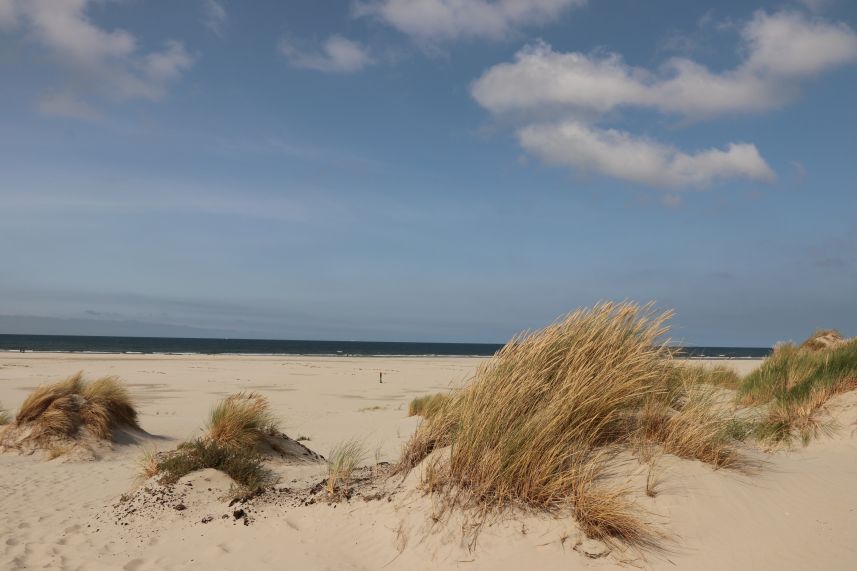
4,416
241,420
343,459
796,382
148,464
61,410
823,339
244,466
426,406
540,421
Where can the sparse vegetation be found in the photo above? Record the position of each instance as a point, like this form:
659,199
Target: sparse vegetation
542,421
795,382
341,462
426,406
823,339
4,416
243,465
53,415
241,420
148,464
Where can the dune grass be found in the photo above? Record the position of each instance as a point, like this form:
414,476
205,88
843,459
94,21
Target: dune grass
236,425
243,465
343,459
822,339
427,405
795,382
542,420
241,420
62,409
4,416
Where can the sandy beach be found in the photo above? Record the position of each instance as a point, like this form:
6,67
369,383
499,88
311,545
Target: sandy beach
799,513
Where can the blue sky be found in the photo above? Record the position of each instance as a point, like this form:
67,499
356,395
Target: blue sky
426,170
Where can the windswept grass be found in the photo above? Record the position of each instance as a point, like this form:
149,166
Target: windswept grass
795,382
241,420
4,416
541,420
343,459
61,410
426,406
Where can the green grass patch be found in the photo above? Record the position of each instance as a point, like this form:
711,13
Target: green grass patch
795,382
244,466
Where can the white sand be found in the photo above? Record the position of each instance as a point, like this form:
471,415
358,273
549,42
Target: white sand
800,513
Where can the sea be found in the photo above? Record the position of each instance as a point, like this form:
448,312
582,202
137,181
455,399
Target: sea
192,346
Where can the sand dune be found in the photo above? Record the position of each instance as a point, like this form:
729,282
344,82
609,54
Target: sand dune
800,512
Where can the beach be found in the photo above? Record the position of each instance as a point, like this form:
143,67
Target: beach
799,512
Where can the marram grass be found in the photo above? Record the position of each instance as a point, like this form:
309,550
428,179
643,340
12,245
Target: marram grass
241,420
795,383
62,409
541,420
427,405
343,459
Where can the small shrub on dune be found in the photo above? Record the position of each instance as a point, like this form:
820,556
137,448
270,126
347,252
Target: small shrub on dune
426,406
241,421
61,410
796,383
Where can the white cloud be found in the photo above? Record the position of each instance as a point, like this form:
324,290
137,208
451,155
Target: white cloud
438,20
215,19
108,61
560,97
620,155
782,50
787,44
337,55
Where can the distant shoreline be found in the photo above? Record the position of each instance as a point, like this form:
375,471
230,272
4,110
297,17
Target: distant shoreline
101,345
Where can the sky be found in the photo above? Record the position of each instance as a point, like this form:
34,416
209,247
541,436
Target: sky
426,170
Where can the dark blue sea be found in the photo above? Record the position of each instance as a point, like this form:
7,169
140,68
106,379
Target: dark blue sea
176,345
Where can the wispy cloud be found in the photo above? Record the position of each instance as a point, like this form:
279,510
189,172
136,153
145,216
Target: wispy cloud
446,20
215,17
98,62
336,55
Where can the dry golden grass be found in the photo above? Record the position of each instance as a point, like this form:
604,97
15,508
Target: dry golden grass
4,416
427,405
822,339
541,420
343,459
61,410
148,464
241,420
44,396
